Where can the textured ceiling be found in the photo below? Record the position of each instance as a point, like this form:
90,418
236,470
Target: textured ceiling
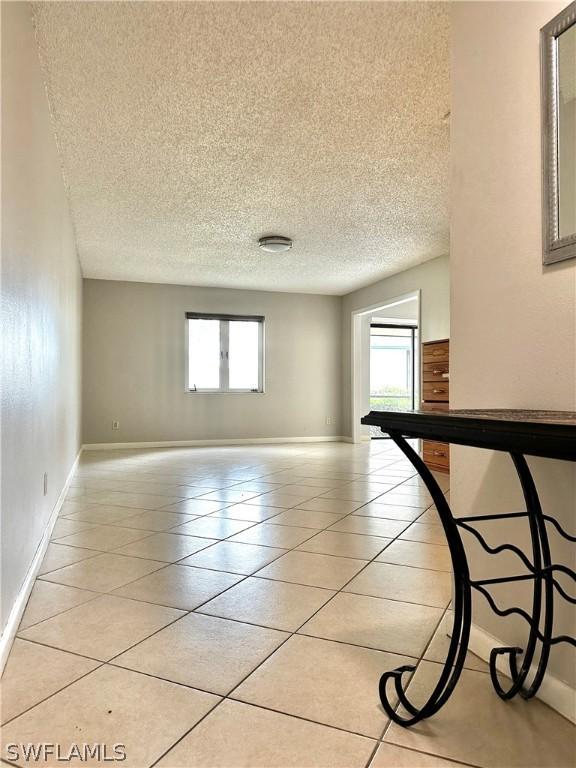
190,129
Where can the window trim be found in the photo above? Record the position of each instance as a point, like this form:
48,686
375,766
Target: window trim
224,348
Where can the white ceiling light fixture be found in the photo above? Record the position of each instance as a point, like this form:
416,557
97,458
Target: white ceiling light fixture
275,243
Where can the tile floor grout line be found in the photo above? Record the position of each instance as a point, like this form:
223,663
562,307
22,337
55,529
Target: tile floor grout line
54,693
372,755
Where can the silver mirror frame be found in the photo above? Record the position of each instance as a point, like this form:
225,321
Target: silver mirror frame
555,248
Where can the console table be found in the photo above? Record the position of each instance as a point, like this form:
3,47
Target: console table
549,434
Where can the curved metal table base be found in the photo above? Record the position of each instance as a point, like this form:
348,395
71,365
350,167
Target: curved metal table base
525,666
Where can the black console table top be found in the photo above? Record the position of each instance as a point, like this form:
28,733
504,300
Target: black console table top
521,433
551,434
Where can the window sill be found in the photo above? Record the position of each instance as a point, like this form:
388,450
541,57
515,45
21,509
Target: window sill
223,392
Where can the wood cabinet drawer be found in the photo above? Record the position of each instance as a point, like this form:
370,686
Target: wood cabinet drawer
436,391
435,371
438,351
445,406
436,455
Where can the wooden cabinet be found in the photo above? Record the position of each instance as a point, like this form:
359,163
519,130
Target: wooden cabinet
436,397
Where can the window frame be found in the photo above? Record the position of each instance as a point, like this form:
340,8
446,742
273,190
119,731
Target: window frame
224,320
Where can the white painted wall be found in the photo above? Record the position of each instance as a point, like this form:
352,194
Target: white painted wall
41,306
432,279
513,341
134,365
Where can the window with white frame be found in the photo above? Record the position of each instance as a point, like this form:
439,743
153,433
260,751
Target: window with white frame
225,353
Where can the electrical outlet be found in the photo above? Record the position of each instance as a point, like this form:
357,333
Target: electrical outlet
45,483
330,420
115,425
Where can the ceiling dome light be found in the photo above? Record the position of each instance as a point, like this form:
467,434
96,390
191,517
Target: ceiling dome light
275,243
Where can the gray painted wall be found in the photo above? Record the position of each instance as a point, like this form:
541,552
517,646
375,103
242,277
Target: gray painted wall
134,365
41,308
513,339
432,279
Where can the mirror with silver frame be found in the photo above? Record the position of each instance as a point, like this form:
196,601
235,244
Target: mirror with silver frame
558,56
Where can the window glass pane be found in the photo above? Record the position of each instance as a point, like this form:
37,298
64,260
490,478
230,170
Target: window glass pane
243,354
203,354
391,369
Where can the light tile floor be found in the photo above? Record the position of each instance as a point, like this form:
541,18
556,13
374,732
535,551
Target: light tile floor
228,607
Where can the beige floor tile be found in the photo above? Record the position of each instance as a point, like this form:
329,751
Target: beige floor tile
430,517
156,488
59,555
279,499
393,475
114,706
157,520
425,532
296,489
137,500
304,518
76,505
416,492
167,547
196,506
476,726
403,500
273,604
230,495
372,526
370,487
104,572
386,625
204,652
65,527
103,514
237,735
257,486
178,587
315,482
248,512
438,648
103,537
47,599
74,492
339,507
391,756
270,535
313,570
234,557
389,511
34,672
101,628
330,683
345,545
213,527
434,557
404,583
352,494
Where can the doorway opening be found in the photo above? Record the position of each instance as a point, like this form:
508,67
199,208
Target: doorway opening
385,360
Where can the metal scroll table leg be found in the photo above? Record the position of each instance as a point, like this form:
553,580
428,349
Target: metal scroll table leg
461,608
542,601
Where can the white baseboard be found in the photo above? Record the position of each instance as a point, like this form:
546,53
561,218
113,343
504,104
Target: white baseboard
553,692
19,606
208,443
